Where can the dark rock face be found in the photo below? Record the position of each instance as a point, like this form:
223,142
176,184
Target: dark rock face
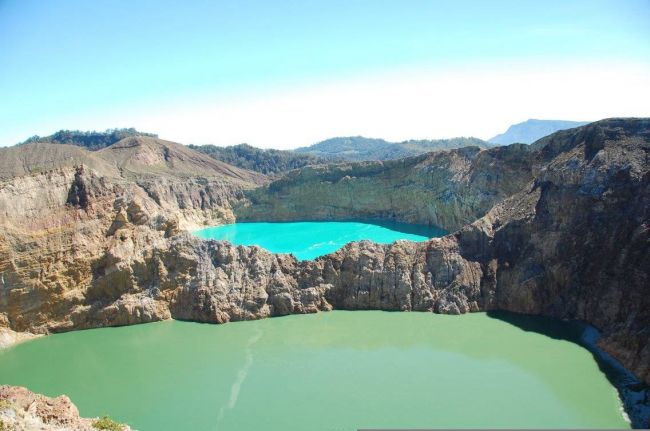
563,231
585,253
78,194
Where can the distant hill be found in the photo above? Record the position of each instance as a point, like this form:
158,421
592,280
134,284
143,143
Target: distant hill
36,157
268,162
358,148
531,130
136,157
90,140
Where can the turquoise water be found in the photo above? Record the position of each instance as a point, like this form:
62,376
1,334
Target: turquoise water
308,240
341,370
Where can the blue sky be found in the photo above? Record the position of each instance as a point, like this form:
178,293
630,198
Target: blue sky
267,72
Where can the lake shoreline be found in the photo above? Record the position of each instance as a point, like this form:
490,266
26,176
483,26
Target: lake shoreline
588,343
308,240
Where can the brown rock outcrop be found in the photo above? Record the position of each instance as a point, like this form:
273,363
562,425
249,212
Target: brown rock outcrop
23,410
67,234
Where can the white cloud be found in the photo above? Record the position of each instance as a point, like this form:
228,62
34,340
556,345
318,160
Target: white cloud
467,101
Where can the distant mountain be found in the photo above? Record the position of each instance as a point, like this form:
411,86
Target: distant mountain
260,160
531,130
358,148
90,140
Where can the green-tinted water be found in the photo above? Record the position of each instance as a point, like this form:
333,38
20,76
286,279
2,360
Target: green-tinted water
330,371
308,240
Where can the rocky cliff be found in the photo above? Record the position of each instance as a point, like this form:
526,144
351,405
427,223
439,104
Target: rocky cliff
23,410
447,188
558,229
70,218
576,243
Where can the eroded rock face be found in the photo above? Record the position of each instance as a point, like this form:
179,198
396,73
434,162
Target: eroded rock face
447,189
23,410
577,244
76,242
570,242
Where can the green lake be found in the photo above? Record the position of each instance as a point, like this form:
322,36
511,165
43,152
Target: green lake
340,370
310,239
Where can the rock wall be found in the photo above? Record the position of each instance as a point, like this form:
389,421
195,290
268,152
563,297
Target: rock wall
448,189
585,253
67,233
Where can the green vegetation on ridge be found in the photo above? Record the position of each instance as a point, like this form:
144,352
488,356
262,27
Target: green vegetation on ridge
358,148
90,140
266,161
272,161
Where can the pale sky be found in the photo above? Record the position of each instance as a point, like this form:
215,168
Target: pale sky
407,104
289,74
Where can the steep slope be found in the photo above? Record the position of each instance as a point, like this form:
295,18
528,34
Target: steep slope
531,130
146,156
447,189
31,159
265,161
576,243
358,148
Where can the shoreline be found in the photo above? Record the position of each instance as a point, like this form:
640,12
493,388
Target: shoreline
633,394
10,338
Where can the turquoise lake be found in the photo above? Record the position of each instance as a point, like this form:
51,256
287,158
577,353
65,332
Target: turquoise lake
311,239
340,370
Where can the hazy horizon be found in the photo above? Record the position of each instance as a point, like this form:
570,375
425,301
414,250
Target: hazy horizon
153,132
278,75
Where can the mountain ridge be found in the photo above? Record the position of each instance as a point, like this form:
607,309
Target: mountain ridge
265,161
135,155
91,140
532,130
359,148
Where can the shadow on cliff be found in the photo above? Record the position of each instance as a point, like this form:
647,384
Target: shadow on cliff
634,394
